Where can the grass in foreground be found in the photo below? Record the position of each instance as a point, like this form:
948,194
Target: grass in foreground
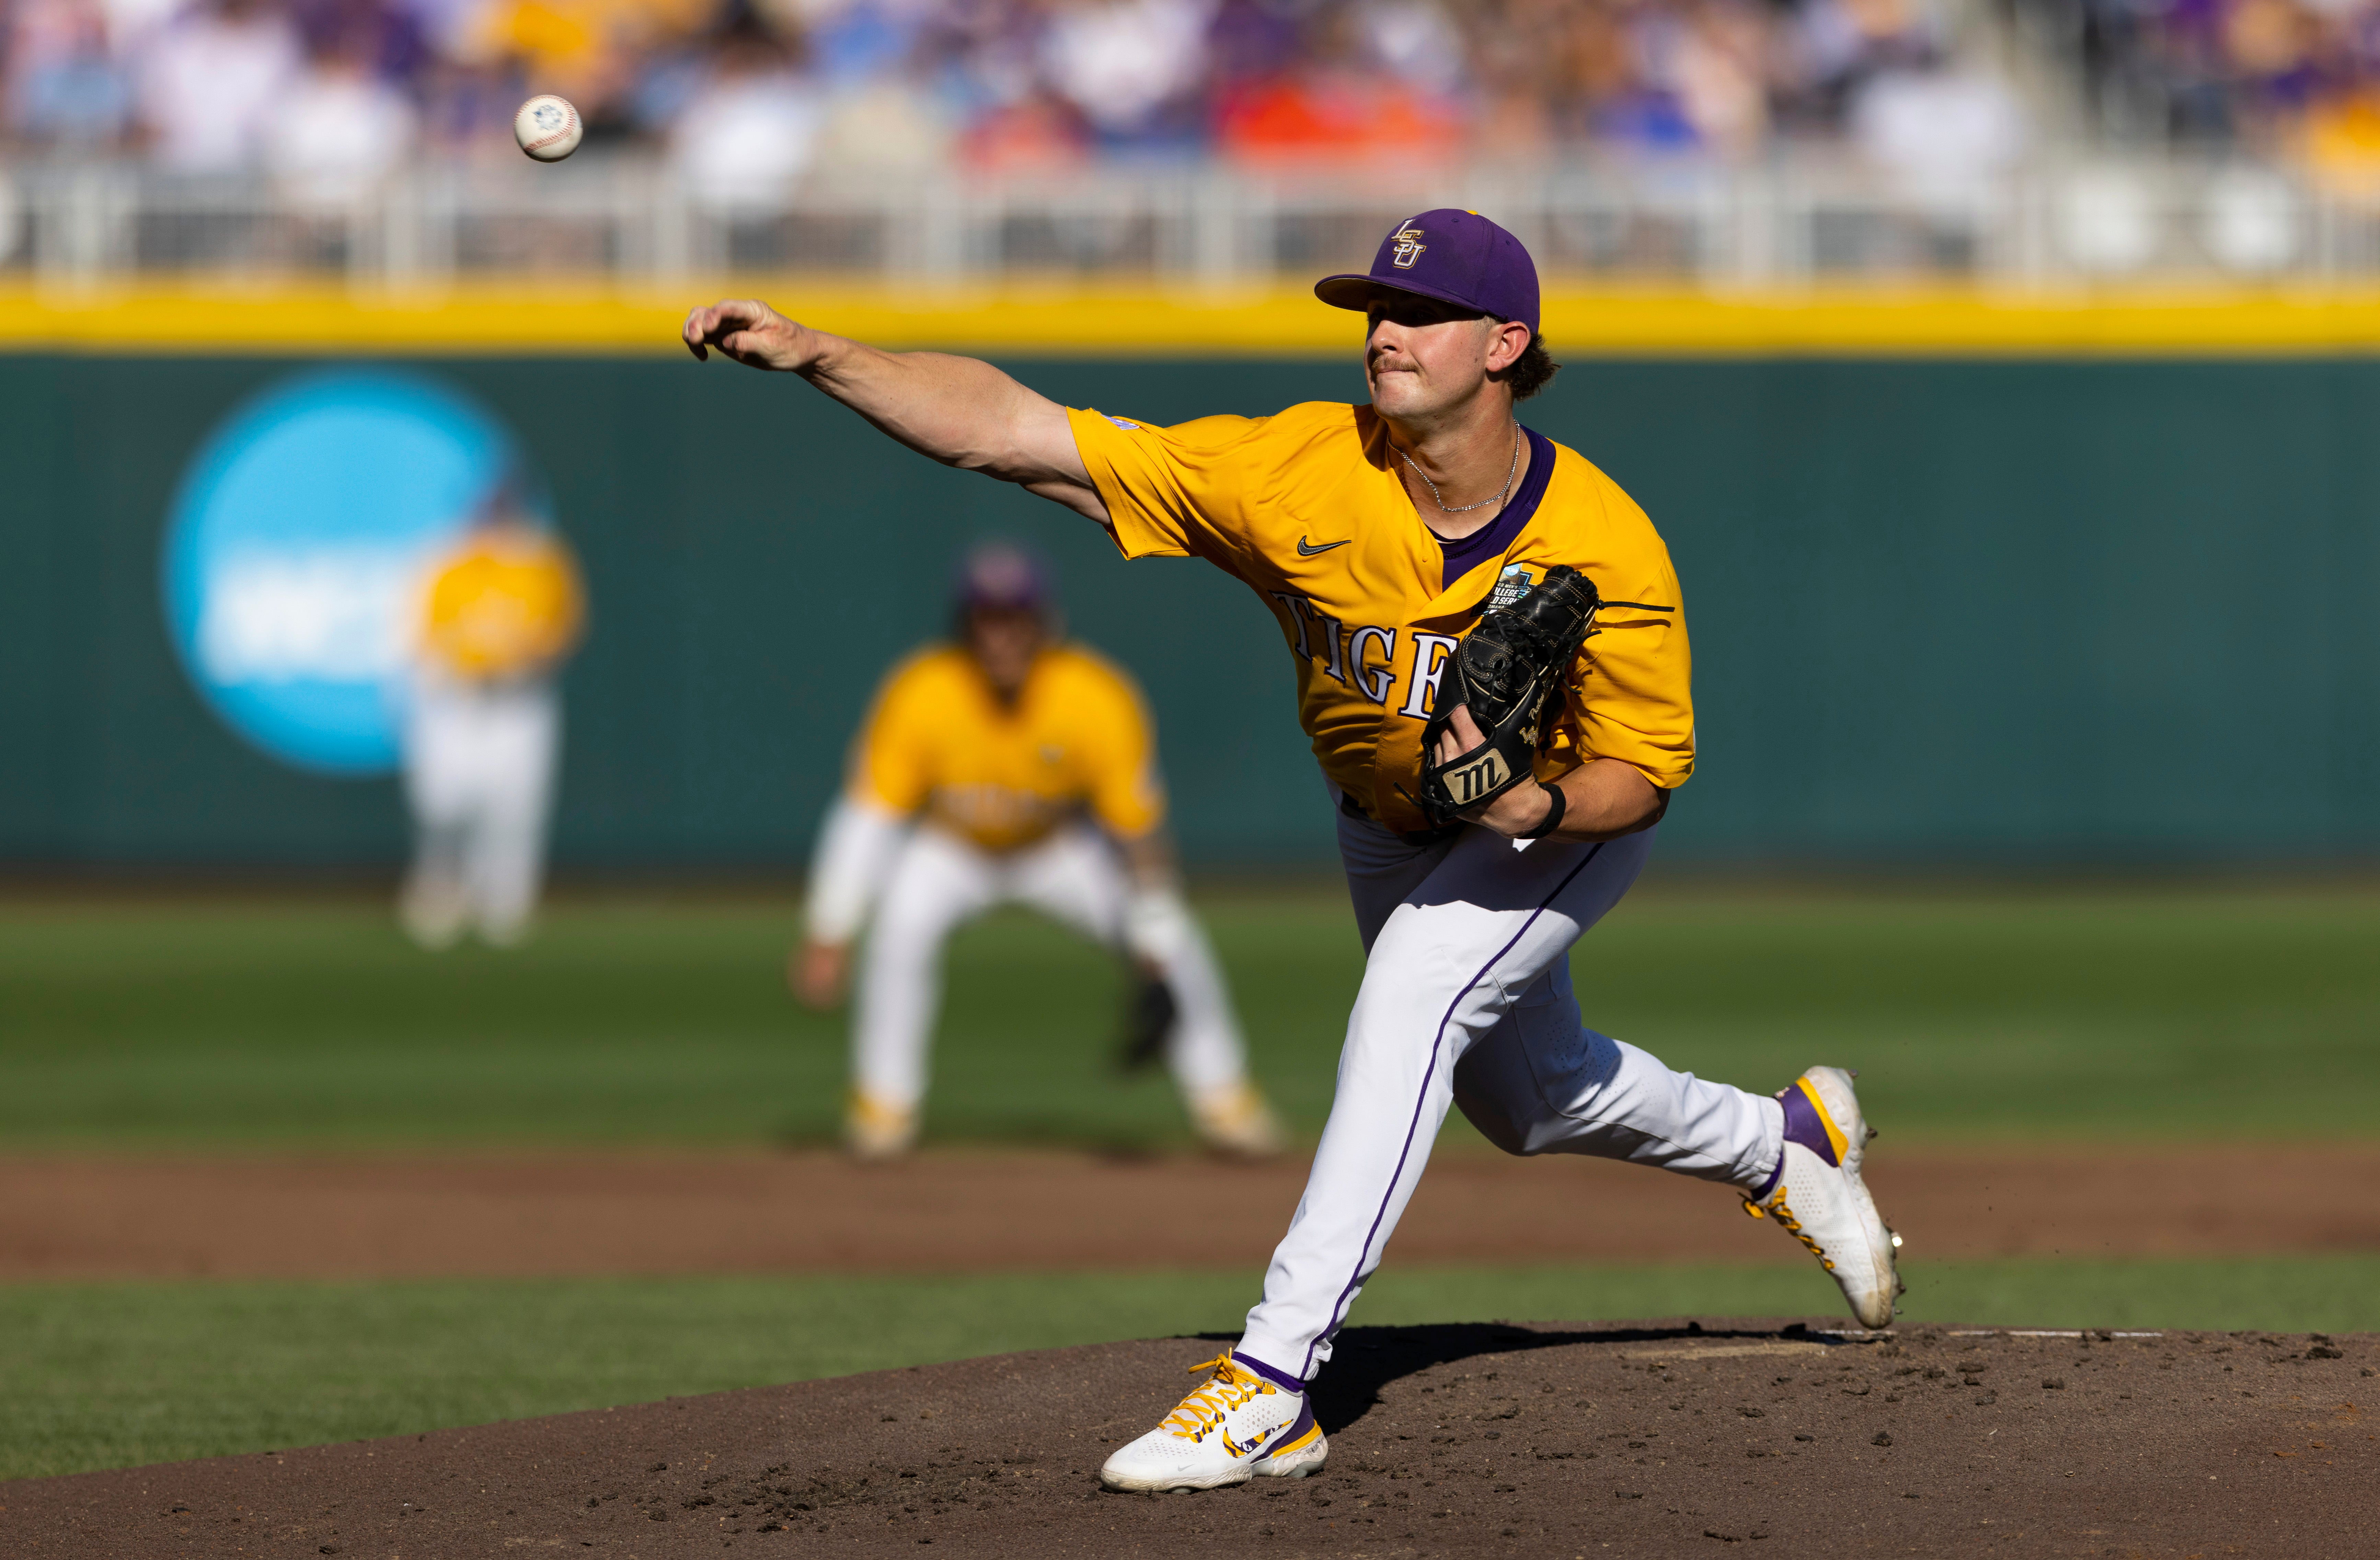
115,1374
244,1023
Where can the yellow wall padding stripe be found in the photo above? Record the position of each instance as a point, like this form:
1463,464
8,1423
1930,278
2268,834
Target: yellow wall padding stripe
524,317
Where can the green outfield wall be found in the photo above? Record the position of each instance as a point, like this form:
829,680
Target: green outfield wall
1944,612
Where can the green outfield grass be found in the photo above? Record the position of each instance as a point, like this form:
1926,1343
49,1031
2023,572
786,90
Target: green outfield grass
243,1023
111,1375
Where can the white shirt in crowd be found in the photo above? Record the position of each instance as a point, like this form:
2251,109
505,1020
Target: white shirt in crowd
746,139
337,133
1120,61
209,82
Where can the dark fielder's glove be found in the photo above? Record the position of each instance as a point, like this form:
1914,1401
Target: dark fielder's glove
1505,669
1148,1017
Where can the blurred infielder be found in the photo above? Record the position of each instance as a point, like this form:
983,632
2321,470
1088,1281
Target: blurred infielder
1008,768
502,613
1492,665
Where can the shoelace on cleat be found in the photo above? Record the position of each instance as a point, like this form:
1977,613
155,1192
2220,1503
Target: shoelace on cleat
1784,1216
1228,1388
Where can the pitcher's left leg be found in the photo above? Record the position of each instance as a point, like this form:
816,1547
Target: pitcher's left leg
1445,969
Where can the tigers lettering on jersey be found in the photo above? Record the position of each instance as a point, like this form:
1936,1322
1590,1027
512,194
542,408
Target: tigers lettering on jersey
1376,661
939,742
1371,616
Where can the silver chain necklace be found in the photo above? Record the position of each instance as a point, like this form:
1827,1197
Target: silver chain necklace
1509,472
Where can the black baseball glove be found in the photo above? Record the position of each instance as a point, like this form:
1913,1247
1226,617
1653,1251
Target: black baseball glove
1149,1014
1505,670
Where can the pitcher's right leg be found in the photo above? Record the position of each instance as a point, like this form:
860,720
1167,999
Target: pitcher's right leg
1544,1083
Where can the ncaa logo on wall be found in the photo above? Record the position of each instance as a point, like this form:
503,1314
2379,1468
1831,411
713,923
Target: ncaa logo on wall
296,552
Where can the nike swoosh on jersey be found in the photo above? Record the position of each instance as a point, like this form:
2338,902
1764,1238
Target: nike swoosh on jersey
1305,552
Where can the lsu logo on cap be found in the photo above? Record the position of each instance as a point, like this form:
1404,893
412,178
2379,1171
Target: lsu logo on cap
1408,250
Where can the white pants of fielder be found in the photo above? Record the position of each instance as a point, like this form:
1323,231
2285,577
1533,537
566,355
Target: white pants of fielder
479,777
939,882
1466,1000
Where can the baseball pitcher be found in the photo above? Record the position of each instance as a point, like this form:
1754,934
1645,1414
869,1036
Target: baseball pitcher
1490,647
1010,768
501,614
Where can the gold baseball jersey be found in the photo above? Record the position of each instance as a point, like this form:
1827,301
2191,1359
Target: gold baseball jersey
941,742
1306,509
506,603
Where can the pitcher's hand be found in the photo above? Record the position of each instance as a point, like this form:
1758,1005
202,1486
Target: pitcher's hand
750,332
1513,814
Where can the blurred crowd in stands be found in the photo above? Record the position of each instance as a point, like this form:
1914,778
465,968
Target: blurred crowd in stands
747,95
2290,78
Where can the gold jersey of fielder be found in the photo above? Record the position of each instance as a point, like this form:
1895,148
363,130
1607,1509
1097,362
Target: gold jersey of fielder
506,603
1306,508
939,742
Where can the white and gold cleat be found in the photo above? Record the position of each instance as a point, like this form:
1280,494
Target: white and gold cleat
1237,1426
1819,1199
875,1130
1234,1119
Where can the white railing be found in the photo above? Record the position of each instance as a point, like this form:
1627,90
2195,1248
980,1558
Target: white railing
1805,217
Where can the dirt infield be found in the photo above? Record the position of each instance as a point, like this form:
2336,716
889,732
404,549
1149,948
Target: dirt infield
1019,1210
1653,1439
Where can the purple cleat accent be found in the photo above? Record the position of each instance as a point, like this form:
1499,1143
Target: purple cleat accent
1805,1126
1279,1378
1816,1194
1300,1425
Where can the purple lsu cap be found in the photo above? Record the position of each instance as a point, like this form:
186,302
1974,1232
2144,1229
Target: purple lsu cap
1454,256
1002,577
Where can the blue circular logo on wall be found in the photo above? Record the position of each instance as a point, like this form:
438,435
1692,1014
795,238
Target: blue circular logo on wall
297,549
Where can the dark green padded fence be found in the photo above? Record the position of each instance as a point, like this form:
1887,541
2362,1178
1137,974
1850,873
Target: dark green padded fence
1944,612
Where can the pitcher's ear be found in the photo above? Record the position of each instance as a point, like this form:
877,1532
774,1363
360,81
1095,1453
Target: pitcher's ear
1532,372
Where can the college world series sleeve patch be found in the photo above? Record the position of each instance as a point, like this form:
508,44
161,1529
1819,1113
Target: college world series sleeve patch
1504,670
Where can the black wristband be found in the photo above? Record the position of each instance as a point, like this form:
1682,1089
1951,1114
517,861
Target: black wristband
1559,805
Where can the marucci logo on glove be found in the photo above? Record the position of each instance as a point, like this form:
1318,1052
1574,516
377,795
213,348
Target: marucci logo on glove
1503,672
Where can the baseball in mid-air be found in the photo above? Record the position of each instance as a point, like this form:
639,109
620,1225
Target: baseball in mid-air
547,127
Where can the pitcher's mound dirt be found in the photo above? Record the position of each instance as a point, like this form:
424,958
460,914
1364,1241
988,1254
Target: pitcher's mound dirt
1650,1439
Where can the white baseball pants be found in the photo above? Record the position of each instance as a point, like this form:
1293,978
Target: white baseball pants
1466,999
938,882
479,777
